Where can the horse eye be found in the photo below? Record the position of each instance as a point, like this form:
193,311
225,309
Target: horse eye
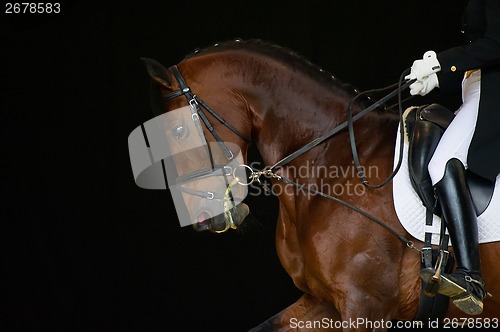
179,132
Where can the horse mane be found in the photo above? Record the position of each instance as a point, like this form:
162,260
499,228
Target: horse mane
283,54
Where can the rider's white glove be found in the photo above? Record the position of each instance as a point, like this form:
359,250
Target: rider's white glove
425,72
424,86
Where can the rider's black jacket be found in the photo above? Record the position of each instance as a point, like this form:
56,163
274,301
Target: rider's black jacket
481,27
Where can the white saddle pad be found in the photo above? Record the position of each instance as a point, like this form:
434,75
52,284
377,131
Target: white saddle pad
411,211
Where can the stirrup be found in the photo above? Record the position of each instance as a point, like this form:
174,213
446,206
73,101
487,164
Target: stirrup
462,298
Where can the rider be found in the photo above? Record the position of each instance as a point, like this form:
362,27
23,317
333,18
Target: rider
472,139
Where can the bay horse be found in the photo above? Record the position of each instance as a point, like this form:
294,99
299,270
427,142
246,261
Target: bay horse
348,267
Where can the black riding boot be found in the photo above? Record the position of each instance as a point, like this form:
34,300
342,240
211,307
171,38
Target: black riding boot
425,138
465,286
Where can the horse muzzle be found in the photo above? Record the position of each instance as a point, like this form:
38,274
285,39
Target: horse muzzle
222,222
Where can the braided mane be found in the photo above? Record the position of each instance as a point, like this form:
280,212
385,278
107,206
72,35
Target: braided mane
282,54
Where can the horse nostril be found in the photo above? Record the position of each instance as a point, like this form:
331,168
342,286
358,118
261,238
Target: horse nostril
203,218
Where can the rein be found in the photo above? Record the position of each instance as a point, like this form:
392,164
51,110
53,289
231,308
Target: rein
352,139
194,101
348,123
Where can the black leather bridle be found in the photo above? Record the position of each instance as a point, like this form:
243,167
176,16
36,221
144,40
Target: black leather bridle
197,105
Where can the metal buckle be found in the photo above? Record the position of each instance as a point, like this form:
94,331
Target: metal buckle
193,102
469,279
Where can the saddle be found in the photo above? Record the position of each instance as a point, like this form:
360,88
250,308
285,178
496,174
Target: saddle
425,125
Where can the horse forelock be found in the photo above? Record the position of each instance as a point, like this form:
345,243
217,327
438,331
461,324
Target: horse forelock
282,54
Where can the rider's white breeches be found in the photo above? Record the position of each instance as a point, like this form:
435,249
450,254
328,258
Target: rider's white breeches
457,138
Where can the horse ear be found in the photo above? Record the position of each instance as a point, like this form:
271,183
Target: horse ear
157,72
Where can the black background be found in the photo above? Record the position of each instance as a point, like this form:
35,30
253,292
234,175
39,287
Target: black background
83,248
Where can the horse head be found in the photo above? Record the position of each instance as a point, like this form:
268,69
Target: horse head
207,153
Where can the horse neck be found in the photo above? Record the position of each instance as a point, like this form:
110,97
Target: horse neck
285,107
293,108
